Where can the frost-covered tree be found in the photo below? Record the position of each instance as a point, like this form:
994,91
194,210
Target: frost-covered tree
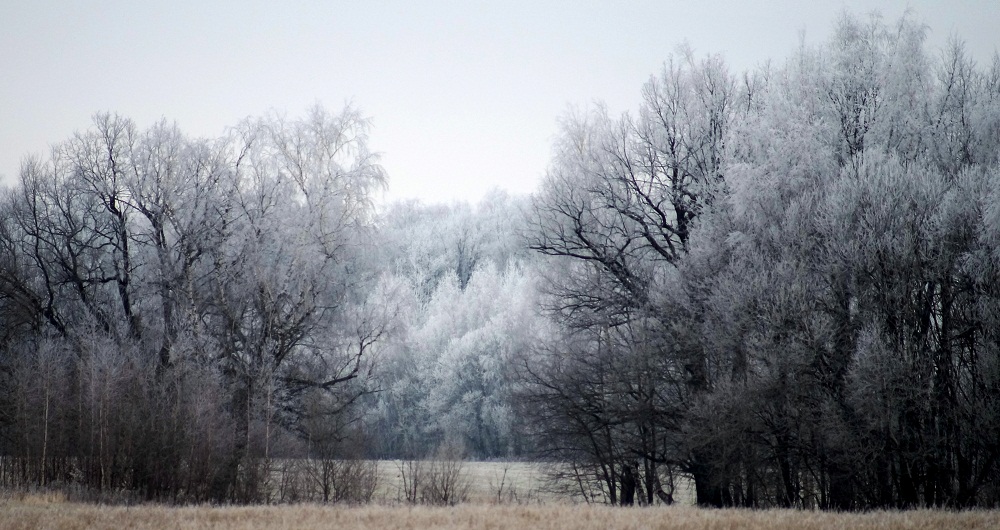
468,293
615,214
209,293
838,299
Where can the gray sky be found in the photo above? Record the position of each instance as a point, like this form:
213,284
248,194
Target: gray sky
464,95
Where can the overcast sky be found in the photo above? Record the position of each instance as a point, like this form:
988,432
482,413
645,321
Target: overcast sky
464,96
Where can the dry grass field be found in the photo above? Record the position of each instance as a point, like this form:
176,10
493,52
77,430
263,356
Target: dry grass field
500,495
53,512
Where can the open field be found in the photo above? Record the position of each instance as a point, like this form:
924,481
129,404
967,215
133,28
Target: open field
52,512
505,482
518,482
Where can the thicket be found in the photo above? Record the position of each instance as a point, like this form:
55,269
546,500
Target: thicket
781,284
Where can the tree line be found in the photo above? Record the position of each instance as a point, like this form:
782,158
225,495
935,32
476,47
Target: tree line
779,285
